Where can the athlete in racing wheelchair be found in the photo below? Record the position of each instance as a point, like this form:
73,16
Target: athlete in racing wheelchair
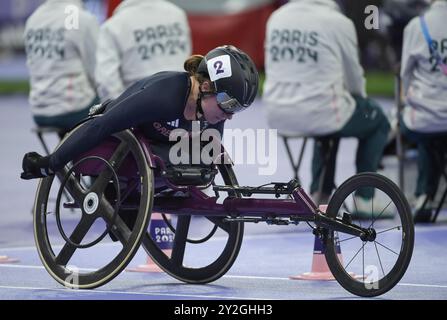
122,150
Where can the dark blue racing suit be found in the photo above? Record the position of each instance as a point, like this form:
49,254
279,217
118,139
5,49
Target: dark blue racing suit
155,105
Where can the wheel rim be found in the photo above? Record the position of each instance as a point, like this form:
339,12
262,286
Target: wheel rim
107,265
178,266
370,267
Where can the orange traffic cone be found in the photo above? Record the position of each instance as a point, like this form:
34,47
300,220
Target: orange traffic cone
320,269
164,238
6,259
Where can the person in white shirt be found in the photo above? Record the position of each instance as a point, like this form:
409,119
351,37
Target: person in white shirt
60,43
424,85
141,38
315,85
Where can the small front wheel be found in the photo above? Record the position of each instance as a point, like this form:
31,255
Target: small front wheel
372,265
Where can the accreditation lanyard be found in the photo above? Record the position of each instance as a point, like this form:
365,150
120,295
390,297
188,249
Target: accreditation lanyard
432,45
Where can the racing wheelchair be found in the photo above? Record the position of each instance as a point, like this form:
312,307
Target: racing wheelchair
116,186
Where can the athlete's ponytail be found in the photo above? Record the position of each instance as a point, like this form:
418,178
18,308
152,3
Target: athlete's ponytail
191,66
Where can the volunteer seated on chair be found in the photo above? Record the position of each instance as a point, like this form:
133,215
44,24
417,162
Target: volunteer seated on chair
315,85
424,81
60,55
141,38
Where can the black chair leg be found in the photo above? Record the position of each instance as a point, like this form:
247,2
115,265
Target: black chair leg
42,142
440,206
295,166
329,147
439,154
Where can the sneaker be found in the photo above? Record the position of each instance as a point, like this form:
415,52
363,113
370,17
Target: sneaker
422,209
35,166
363,207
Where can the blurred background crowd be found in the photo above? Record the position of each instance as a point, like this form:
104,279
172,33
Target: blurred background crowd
240,22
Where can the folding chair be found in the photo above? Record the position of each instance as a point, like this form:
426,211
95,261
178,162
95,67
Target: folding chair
399,140
295,164
40,131
440,155
330,147
439,151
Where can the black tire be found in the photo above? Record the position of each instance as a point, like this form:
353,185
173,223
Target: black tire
400,236
57,264
214,270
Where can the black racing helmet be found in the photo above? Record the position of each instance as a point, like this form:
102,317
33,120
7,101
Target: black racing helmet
234,76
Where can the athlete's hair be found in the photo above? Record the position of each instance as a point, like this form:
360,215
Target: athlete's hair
192,64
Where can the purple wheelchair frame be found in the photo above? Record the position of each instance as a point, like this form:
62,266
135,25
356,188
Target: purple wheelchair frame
299,207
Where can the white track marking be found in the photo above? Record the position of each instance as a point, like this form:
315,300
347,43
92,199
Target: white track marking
421,285
18,266
282,279
132,293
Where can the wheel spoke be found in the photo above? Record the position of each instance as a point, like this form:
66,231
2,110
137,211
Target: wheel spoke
220,223
356,209
363,260
119,228
115,161
374,219
73,186
78,234
181,233
386,230
355,255
350,238
378,256
386,247
129,190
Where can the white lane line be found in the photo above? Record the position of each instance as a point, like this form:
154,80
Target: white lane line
57,246
18,266
23,266
282,279
18,248
421,285
133,293
255,277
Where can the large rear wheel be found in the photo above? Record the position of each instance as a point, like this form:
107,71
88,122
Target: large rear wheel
71,236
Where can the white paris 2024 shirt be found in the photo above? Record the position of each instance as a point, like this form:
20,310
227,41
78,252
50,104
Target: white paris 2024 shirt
424,85
140,39
312,68
60,55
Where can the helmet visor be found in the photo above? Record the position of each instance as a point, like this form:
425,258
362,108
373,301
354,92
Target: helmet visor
228,104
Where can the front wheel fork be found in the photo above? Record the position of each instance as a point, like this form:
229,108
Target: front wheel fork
343,225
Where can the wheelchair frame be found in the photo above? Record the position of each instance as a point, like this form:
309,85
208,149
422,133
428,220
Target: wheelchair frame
234,209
